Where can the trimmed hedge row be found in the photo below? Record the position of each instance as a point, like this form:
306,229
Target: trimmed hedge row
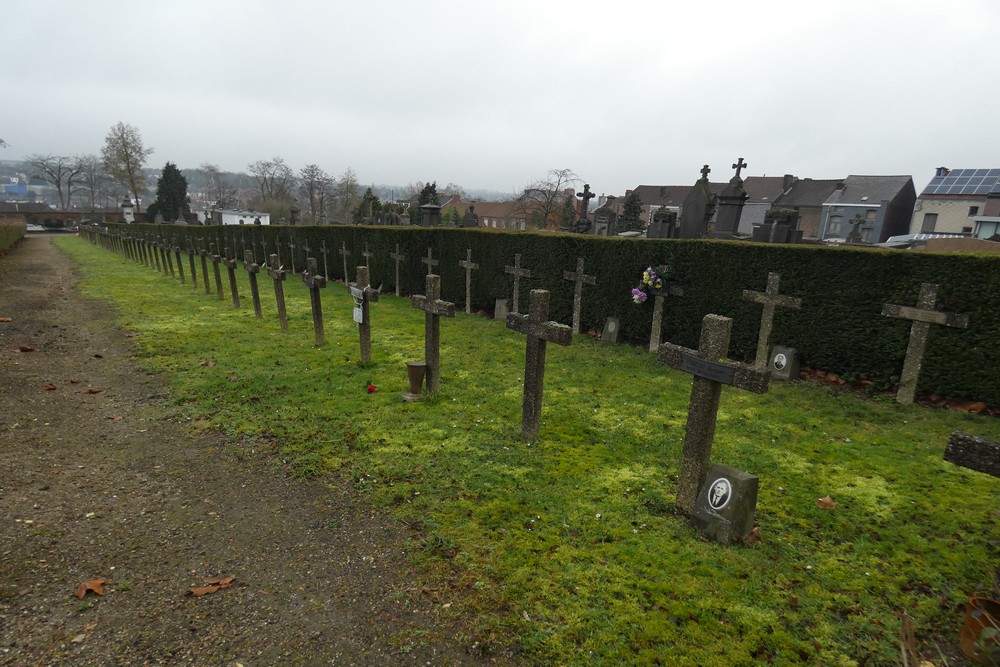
11,232
839,329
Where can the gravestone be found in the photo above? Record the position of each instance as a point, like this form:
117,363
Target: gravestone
203,252
500,310
611,331
579,278
433,308
663,225
252,269
430,261
312,279
216,271
231,268
168,261
277,273
730,204
582,224
155,251
771,300
698,208
291,253
659,305
784,363
344,254
923,316
518,273
471,219
973,452
397,257
539,331
469,267
711,370
363,295
726,504
194,274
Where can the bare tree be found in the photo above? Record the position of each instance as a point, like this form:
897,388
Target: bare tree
275,179
124,156
93,179
542,203
347,193
315,186
218,192
57,170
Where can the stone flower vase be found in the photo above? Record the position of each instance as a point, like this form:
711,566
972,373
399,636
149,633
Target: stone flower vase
979,638
415,372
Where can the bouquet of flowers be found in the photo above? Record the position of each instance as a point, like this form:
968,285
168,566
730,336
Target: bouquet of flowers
650,280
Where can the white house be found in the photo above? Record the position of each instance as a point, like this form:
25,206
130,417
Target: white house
233,217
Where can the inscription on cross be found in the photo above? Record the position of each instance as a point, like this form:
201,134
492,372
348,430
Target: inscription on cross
518,273
277,273
469,267
398,257
711,369
579,278
539,331
252,269
923,316
430,261
433,308
363,295
771,299
315,282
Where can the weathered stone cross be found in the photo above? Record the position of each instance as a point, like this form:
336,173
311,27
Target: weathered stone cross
923,317
177,255
231,268
367,254
740,164
399,257
324,251
277,273
585,198
771,299
363,295
518,273
539,330
252,269
291,252
659,299
469,267
215,269
705,171
315,282
194,273
204,266
579,278
711,369
433,308
344,254
430,261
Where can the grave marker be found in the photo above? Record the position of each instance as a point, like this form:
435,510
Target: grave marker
363,295
194,272
323,250
367,254
155,252
291,252
771,299
277,273
578,278
203,253
469,267
726,504
923,316
433,308
344,253
518,273
231,268
315,282
177,256
215,270
539,330
252,268
398,257
711,370
659,298
430,261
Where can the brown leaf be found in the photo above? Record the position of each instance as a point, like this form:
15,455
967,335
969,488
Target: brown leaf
89,627
75,381
6,319
221,582
94,390
26,348
114,417
826,503
254,399
202,590
50,387
206,362
98,356
95,585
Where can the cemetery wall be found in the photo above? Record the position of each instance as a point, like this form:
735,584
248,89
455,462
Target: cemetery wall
840,327
11,231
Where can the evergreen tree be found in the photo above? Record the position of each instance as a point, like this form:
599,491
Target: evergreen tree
428,195
632,206
367,208
171,195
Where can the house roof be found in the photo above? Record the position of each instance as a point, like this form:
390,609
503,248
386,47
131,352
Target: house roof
869,189
808,192
23,207
493,209
763,188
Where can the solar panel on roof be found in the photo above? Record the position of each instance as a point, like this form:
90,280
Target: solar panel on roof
965,182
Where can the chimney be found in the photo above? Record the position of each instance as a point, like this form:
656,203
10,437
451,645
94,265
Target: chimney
942,171
787,182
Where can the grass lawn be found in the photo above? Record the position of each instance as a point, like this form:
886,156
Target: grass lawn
569,547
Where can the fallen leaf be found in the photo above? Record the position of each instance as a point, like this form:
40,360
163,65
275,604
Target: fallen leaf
50,387
206,362
114,417
98,356
26,348
221,582
75,381
254,399
6,319
79,639
826,503
202,590
95,585
94,390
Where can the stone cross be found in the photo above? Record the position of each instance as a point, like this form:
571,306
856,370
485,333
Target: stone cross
344,253
177,256
771,299
578,278
315,282
323,250
585,198
659,299
539,330
204,266
306,248
194,273
433,308
231,268
291,252
705,171
923,316
277,273
518,273
165,254
363,295
469,267
252,269
399,257
711,369
367,255
740,164
154,248
263,249
430,261
215,269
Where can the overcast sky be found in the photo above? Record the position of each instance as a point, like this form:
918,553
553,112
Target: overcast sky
494,94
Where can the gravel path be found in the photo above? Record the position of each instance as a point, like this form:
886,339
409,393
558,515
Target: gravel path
107,484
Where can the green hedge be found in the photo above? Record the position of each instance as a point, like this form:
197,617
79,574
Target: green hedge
839,329
11,233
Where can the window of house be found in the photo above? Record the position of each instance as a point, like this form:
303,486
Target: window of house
834,225
930,222
870,214
966,230
973,210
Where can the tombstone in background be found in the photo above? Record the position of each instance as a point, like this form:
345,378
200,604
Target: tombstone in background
312,279
730,206
923,316
611,330
430,215
771,300
606,218
538,331
500,310
294,215
344,254
363,295
780,226
698,208
711,370
433,308
252,270
726,504
277,273
471,219
663,225
854,236
582,224
579,278
518,273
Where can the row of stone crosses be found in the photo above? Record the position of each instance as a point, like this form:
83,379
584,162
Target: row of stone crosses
721,501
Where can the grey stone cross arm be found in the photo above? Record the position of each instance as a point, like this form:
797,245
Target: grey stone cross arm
552,332
733,373
431,302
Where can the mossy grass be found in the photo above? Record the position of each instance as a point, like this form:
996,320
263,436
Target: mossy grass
569,546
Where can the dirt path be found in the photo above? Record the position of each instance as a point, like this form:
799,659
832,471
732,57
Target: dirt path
110,485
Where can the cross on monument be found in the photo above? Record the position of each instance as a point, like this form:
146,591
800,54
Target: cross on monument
539,330
740,164
344,254
711,369
315,282
469,267
430,261
324,251
399,257
433,308
252,269
518,273
579,278
659,304
705,171
231,268
215,270
363,295
923,316
771,299
585,198
277,273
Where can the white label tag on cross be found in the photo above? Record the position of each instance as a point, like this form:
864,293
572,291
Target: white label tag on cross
359,315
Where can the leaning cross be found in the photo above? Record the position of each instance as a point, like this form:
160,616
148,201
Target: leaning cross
277,273
344,253
433,308
659,298
469,267
923,317
231,267
711,370
399,257
518,273
430,261
538,330
363,295
578,278
740,164
770,299
252,268
215,269
315,282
